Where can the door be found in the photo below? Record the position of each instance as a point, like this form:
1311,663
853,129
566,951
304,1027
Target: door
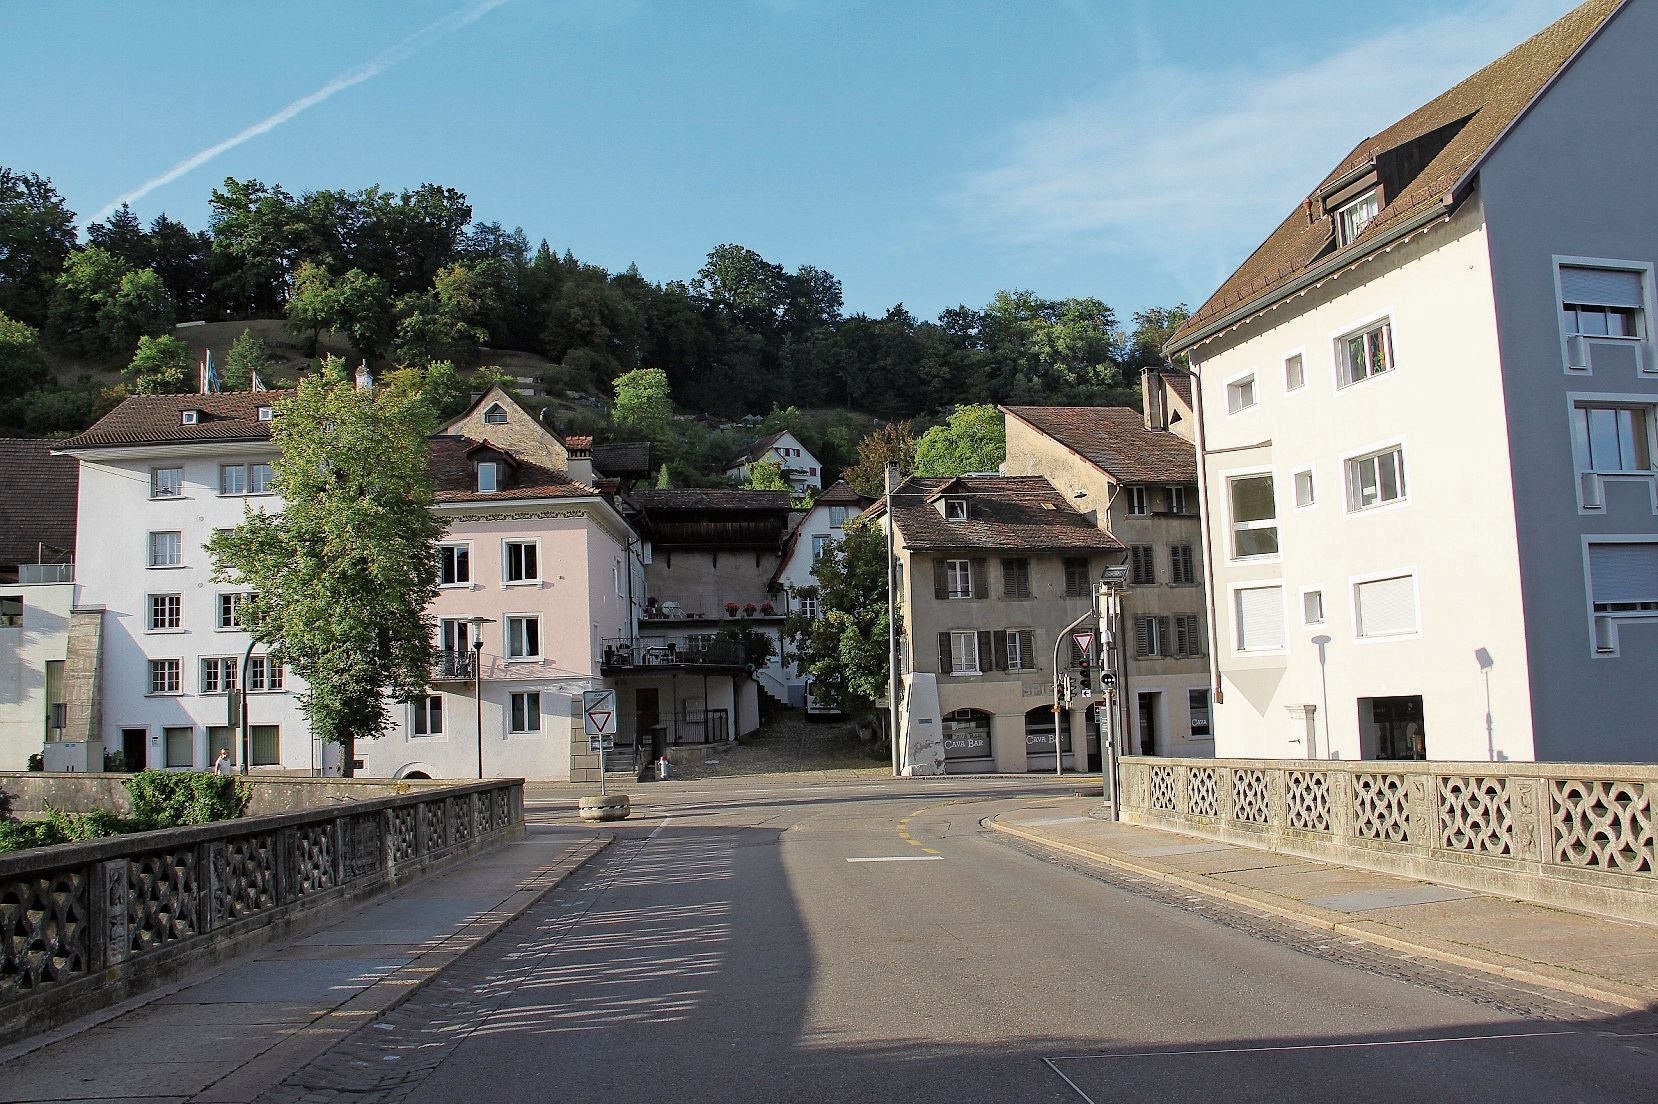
134,743
1149,736
646,716
455,640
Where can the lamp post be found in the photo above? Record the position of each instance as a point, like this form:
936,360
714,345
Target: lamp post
478,624
1112,580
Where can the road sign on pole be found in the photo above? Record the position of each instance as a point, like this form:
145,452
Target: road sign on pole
598,708
1085,645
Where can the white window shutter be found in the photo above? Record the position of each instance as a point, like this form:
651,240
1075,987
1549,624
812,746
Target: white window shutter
1602,287
1387,607
1624,572
1260,618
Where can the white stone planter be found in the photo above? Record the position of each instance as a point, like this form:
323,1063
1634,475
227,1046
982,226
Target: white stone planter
607,807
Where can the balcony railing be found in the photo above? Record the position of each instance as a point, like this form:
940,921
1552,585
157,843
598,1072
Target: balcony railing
622,652
454,665
40,574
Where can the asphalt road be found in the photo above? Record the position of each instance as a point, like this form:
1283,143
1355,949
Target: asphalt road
871,942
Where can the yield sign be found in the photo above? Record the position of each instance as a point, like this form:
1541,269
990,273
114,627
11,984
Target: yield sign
1085,646
598,707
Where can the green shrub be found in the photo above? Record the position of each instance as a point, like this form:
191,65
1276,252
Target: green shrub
17,835
173,799
75,827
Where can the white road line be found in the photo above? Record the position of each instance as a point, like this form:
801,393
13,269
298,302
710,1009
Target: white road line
1346,1046
901,858
665,822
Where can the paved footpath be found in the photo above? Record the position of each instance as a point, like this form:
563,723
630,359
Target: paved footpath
227,1035
1614,961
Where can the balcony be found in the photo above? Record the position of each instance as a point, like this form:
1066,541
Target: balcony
41,574
625,654
454,666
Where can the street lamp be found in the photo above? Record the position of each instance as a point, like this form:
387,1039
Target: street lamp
1112,582
478,624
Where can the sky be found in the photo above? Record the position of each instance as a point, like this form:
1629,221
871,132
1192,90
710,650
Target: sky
929,153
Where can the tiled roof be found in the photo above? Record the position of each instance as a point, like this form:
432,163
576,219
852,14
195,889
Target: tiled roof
1180,383
623,458
710,498
1488,101
757,450
578,442
1019,512
37,501
455,480
840,493
1115,440
158,419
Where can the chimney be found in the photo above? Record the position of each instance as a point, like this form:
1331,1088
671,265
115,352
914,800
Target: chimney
1152,401
579,465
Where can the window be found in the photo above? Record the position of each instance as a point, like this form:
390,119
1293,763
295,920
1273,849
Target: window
454,564
1016,578
1188,635
1312,607
1386,607
1612,438
1197,712
807,605
1078,583
179,746
218,675
1021,649
166,612
1304,488
189,417
11,612
1623,585
958,579
1254,517
265,413
488,477
1260,618
166,549
1177,500
1151,636
820,545
230,610
1295,372
233,479
524,637
164,676
1240,394
967,734
1375,480
166,482
1352,218
526,711
1600,302
519,562
426,715
1138,503
616,578
1142,569
955,509
264,676
837,515
495,415
1182,565
267,745
1365,354
964,653
259,479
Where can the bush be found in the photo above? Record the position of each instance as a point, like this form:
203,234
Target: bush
173,799
37,762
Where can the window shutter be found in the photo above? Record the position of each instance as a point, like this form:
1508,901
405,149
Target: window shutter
1623,572
1260,618
981,579
944,666
1163,636
941,580
1601,287
1027,648
1387,606
987,650
1000,638
1142,636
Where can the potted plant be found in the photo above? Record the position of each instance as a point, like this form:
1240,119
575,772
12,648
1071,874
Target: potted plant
731,609
749,609
767,609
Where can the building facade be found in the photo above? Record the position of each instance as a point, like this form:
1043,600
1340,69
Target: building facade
800,467
817,530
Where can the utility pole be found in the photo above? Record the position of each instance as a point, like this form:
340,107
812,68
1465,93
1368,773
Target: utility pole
1109,593
891,484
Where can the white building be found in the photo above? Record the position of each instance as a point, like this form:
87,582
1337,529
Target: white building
819,528
800,468
1427,405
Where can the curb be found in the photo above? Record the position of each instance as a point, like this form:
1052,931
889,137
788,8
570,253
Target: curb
1556,978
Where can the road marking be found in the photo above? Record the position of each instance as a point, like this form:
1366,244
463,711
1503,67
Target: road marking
1350,1045
665,822
935,857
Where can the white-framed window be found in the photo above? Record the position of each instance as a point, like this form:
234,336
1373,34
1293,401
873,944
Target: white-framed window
1197,714
11,613
1177,499
837,515
455,636
1385,607
820,545
1613,437
166,482
1254,516
1312,607
1353,217
454,564
218,674
955,509
1021,649
179,746
264,675
1139,502
233,479
964,653
1142,564
1601,302
166,612
1182,565
165,676
488,477
807,604
616,578
1365,353
189,417
1375,479
259,479
230,610
495,415
520,561
426,715
1240,394
1304,492
523,636
958,578
266,413
1259,618
1295,372
166,549
525,711
1623,586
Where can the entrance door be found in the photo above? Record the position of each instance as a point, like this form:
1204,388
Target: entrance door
1149,736
134,748
646,713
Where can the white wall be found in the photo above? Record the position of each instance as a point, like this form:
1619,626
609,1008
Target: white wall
24,653
539,756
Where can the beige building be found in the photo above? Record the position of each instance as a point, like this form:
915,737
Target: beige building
1135,476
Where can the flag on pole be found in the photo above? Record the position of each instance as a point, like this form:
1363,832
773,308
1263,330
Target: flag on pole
365,378
210,380
255,383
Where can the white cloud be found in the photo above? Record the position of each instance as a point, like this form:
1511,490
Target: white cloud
1189,170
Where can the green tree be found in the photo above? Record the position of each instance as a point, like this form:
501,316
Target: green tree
974,439
767,475
22,364
100,306
161,366
256,234
342,577
37,234
446,323
892,443
643,404
845,649
1152,329
247,356
355,304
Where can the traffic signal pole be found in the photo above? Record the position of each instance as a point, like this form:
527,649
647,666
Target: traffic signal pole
1059,686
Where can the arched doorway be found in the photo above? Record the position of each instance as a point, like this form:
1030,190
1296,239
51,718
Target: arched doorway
1039,738
967,747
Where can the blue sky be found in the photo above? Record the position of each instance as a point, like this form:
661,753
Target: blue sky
1134,150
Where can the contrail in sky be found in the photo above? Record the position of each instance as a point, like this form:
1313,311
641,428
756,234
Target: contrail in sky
372,68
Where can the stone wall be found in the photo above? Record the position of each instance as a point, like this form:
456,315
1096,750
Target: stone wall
1580,836
79,792
85,925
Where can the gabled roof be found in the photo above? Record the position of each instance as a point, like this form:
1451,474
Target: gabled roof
623,458
1004,512
840,493
758,450
454,479
1115,440
37,502
713,519
1468,119
158,419
710,498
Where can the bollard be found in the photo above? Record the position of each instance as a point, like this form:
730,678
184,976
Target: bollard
662,769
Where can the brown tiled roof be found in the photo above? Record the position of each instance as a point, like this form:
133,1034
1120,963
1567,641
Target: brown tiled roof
1021,512
578,442
1180,383
454,479
158,419
623,458
709,498
840,493
757,450
1489,101
1115,440
37,502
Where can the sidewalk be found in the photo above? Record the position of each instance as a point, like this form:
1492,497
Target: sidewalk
226,1035
1606,960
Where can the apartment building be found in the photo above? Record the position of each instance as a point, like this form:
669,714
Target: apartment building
800,468
1427,406
817,530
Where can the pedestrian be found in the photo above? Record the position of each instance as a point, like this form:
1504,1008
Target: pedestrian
222,764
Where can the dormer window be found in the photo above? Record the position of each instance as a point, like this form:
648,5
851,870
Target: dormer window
266,413
495,415
489,478
955,509
1353,217
190,417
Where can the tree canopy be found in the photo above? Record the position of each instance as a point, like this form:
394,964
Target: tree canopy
845,649
974,439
